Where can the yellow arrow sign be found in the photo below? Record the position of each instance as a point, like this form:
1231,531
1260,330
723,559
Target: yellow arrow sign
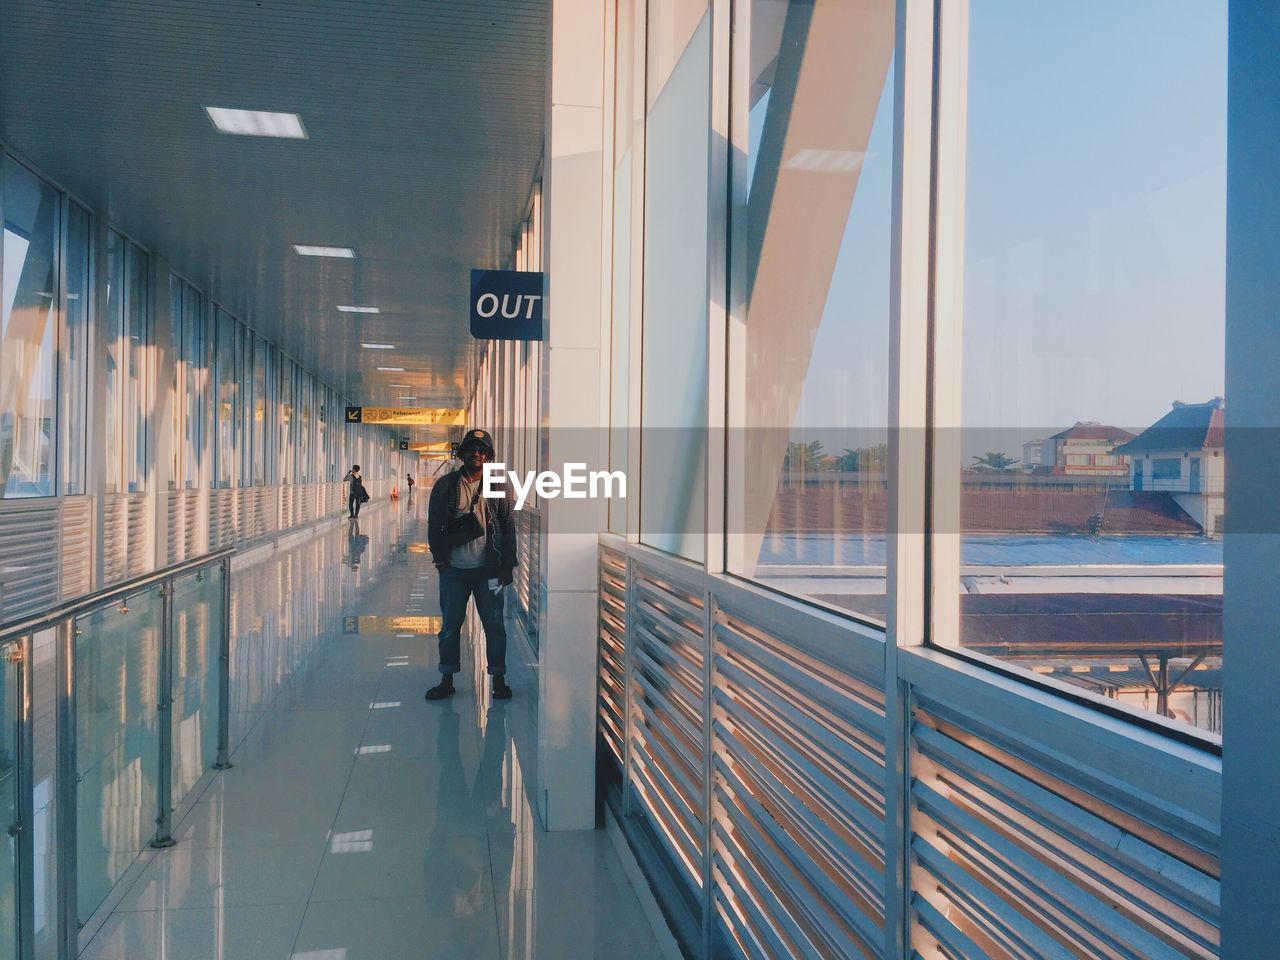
434,446
409,416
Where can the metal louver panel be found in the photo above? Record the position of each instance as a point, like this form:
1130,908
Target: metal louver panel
75,547
138,514
222,517
528,552
612,683
175,528
28,568
115,538
667,740
1037,836
798,850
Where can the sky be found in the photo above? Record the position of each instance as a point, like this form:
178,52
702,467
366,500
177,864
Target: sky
1094,241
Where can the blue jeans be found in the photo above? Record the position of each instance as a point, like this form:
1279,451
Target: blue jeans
457,586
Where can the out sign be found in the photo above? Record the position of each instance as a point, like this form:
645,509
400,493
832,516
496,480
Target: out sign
506,305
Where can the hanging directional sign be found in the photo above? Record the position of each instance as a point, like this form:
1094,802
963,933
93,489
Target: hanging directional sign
433,446
408,416
404,444
506,305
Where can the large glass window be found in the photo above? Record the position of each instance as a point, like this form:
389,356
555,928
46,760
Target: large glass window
74,375
1085,176
28,333
137,383
674,349
176,380
195,357
628,167
260,423
807,481
227,462
113,360
288,422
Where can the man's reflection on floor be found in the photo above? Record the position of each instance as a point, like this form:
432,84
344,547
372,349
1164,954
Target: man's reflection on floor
467,897
357,543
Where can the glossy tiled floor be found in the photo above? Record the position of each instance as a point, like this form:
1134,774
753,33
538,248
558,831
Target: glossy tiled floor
362,823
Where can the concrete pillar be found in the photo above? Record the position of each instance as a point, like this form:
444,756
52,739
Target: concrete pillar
573,416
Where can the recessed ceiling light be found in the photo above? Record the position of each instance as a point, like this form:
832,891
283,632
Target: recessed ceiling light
408,398
392,369
257,123
305,250
402,386
378,346
346,308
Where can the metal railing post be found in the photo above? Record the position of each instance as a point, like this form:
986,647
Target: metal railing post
67,793
22,829
224,673
164,788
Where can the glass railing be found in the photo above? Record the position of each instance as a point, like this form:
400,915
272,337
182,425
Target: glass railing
113,708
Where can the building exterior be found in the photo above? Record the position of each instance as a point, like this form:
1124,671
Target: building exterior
1033,454
1087,449
1182,454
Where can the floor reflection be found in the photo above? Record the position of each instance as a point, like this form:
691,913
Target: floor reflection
361,822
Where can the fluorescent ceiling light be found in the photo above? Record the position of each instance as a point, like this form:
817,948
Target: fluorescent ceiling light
306,250
402,386
378,346
257,123
392,369
347,308
408,398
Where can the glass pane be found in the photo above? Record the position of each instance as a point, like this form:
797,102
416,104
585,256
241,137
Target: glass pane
195,357
808,380
176,324
287,427
75,373
1091,460
227,399
28,333
627,133
259,410
138,383
8,803
117,741
674,353
44,768
197,633
113,363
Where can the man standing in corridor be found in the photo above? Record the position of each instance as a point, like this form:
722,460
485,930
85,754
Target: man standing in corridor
472,539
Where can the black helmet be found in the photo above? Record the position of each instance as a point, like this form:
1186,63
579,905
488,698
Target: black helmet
474,438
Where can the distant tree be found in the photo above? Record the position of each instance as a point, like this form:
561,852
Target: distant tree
803,457
864,459
993,463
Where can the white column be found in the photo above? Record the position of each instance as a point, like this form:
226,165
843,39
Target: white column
1251,665
573,418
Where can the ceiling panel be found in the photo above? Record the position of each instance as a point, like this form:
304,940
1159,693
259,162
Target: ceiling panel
425,130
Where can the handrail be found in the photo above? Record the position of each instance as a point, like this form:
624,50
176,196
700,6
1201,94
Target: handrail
51,616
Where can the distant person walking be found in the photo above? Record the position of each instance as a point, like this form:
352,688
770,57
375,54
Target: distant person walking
473,545
408,479
356,493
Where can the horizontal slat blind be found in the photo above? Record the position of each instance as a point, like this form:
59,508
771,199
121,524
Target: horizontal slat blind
1022,851
799,799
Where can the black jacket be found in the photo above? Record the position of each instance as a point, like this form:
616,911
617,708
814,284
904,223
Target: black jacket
500,539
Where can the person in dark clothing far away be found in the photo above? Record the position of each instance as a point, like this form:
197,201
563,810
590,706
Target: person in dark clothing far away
355,492
408,479
472,539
